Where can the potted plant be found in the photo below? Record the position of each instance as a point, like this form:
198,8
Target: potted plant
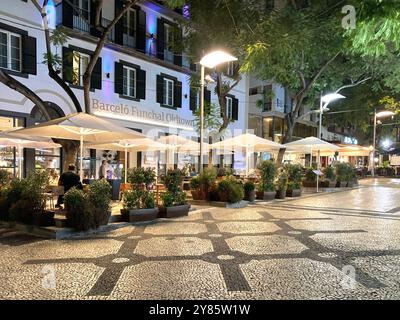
249,191
174,200
351,176
139,205
79,216
329,177
281,183
266,187
89,210
341,174
294,180
196,189
203,183
310,178
29,205
99,199
230,190
4,178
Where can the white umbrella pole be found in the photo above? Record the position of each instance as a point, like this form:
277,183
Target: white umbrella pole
318,168
247,161
126,165
20,162
81,160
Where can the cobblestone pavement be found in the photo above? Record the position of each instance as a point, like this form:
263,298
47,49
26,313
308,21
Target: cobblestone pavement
343,245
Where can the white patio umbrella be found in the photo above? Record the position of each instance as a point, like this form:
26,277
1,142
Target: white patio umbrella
143,144
83,127
248,141
181,144
310,144
21,141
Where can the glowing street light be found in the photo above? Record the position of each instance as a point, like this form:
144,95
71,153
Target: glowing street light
382,114
325,101
210,61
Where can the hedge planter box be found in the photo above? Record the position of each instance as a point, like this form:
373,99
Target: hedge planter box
328,184
174,212
281,194
310,184
44,219
140,215
250,196
198,195
266,196
293,193
342,184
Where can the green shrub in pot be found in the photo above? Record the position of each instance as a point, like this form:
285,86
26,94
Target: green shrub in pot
230,190
174,199
79,214
267,171
342,172
99,197
281,183
249,191
4,178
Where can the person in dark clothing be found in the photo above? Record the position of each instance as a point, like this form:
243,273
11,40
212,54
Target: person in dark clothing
68,180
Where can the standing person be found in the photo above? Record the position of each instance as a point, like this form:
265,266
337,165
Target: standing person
68,180
103,169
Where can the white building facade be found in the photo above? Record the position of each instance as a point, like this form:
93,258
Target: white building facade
140,81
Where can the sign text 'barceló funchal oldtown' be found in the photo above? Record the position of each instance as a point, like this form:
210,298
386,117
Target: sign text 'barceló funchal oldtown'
140,115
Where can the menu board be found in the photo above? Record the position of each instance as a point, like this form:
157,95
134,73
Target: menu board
395,161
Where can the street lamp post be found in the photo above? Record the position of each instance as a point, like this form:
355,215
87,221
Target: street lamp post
381,114
210,61
323,105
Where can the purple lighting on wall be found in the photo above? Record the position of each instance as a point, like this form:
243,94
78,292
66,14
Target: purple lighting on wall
186,11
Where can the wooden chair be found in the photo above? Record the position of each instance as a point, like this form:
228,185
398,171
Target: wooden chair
123,188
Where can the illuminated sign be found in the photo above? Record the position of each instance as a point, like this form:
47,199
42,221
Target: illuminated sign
133,113
349,140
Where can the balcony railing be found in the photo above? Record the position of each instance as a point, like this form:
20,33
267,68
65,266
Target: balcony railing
81,19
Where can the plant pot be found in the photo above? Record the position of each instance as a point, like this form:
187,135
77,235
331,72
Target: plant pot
310,184
328,184
44,219
223,196
198,195
341,184
139,215
174,212
280,194
260,195
269,195
293,193
250,196
105,219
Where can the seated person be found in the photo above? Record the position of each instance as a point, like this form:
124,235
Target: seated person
68,180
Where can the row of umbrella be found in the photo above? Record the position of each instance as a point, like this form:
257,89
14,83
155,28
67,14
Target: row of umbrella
97,133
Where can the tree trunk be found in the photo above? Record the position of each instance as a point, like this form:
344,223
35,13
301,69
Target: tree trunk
25,91
71,149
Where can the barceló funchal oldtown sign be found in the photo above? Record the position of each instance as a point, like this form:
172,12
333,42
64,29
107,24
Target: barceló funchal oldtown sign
131,112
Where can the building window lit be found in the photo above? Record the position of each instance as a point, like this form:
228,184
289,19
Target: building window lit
229,107
129,85
10,51
9,157
168,92
80,63
130,28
